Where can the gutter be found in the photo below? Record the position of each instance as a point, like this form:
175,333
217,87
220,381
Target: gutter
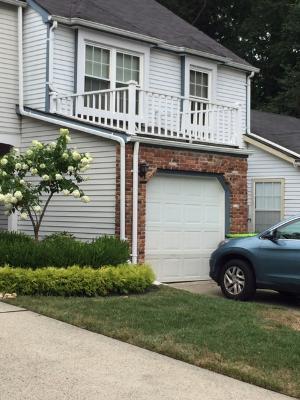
70,125
14,3
159,43
192,146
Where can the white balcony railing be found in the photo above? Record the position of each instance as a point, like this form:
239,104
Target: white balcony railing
142,112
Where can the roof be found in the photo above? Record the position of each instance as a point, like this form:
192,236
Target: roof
146,17
279,129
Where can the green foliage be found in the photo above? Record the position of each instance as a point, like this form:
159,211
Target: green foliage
61,251
42,170
240,235
266,33
76,281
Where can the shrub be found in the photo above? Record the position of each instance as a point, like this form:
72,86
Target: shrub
60,251
240,235
76,281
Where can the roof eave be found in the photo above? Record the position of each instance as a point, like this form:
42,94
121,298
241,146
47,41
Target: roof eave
153,40
254,137
14,3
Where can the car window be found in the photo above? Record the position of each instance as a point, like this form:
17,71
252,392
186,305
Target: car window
290,231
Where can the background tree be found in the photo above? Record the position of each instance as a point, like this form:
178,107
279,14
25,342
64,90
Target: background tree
28,181
266,33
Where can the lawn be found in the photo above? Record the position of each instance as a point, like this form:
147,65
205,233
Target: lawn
255,343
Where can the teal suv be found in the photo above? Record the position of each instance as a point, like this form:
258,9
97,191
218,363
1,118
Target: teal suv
270,260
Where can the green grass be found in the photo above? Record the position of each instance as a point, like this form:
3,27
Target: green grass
255,343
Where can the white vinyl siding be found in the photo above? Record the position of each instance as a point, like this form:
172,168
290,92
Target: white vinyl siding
263,165
86,221
165,73
231,89
64,60
35,57
9,121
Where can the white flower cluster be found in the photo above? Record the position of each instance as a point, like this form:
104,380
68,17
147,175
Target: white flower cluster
10,200
77,195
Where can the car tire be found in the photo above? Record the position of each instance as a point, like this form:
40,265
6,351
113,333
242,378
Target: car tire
237,280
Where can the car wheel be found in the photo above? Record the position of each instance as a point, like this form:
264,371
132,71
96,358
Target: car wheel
237,280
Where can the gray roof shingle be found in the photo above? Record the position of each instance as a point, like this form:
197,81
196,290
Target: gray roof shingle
146,17
280,129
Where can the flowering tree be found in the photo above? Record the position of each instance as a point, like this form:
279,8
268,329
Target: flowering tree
29,180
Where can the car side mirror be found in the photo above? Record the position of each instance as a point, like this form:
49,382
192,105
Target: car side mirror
270,235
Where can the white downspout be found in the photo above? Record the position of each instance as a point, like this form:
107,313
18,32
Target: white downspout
51,54
249,77
135,193
70,125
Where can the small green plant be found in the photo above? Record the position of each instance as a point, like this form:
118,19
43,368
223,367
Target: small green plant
76,281
61,250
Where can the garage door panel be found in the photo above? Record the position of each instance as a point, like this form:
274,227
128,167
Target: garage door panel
185,220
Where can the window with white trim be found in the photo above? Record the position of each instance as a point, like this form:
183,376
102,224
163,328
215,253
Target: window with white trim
199,82
268,201
97,69
109,69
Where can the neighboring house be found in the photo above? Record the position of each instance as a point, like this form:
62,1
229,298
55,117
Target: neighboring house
273,169
161,107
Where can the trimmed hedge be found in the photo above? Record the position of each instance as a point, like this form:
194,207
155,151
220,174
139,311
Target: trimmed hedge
61,250
76,281
240,235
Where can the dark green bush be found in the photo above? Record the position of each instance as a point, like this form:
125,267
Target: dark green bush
76,281
61,251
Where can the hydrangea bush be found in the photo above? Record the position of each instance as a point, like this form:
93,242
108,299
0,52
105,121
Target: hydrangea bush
29,180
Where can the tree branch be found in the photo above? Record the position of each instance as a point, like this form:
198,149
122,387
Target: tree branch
200,12
45,208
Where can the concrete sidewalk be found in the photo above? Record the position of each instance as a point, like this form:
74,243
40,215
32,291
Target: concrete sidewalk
44,359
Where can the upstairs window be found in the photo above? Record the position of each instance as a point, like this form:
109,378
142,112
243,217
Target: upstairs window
199,84
109,69
128,69
97,69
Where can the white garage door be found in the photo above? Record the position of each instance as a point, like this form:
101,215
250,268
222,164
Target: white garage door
185,221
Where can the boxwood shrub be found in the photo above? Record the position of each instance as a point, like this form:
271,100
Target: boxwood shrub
76,281
239,235
60,250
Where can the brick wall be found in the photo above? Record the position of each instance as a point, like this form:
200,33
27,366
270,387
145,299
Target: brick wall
232,168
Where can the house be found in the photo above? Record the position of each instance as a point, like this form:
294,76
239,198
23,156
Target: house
273,169
161,107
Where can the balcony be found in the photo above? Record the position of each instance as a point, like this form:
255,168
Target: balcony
142,112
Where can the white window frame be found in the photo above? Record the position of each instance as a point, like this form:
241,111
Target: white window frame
200,65
113,44
267,180
209,83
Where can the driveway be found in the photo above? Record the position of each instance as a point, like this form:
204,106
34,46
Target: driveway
210,288
42,358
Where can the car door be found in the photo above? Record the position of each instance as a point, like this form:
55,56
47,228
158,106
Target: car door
279,259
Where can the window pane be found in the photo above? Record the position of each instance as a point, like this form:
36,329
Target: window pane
204,92
127,75
265,219
105,71
89,52
127,62
105,57
290,231
205,79
198,91
268,196
92,84
120,76
198,78
192,90
97,55
192,77
135,76
119,60
97,70
89,68
136,63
